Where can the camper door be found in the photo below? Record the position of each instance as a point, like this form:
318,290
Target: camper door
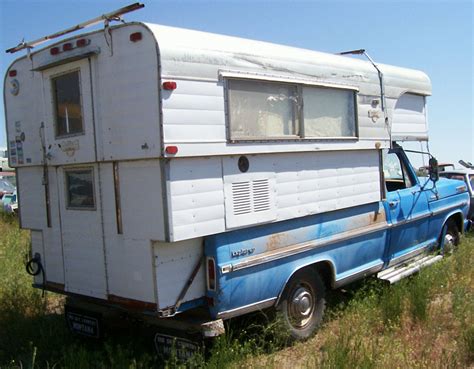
69,114
69,136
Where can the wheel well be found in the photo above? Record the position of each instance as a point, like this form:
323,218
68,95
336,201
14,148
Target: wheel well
325,270
457,219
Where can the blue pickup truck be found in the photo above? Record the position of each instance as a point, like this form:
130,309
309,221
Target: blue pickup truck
291,264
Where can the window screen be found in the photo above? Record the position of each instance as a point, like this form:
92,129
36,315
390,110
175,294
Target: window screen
80,189
328,112
67,104
262,109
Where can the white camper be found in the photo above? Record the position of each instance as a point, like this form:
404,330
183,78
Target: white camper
140,149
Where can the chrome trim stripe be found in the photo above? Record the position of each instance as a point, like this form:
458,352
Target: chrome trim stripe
260,305
301,247
447,208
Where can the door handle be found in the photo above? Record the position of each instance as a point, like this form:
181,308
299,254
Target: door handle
393,204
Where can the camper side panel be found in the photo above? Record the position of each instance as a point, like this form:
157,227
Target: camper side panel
204,192
129,226
195,118
24,111
126,96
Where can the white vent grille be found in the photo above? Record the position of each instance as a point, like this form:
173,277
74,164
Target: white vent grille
251,196
261,195
241,196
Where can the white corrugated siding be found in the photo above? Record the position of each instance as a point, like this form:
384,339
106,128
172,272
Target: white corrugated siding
276,187
410,118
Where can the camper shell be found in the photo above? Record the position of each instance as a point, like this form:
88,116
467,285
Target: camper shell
163,169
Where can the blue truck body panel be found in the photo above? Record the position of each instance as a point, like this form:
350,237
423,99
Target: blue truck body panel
254,264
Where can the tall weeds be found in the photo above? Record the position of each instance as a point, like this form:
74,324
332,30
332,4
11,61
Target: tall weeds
426,321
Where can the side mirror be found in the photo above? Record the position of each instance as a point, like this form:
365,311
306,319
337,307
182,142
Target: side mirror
433,169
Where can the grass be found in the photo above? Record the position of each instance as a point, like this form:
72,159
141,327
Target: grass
426,321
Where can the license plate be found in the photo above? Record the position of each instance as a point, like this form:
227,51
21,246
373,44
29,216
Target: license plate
83,323
184,348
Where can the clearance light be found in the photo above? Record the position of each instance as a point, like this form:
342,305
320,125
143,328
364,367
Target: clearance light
54,51
12,73
67,46
82,42
170,86
172,150
137,36
211,274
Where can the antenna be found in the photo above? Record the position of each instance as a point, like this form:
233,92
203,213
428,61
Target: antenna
112,16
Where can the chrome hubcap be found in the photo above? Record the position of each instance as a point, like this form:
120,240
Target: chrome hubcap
449,242
301,307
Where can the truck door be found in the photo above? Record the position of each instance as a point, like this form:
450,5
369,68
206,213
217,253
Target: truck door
69,135
407,206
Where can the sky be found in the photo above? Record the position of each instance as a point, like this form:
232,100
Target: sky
433,36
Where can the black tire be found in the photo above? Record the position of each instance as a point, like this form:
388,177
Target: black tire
451,237
303,303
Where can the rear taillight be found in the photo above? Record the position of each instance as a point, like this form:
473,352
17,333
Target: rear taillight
12,73
211,274
67,46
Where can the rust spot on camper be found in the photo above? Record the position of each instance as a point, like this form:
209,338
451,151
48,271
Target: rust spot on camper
276,241
132,304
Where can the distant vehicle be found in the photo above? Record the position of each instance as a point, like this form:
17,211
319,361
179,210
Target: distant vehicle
6,188
9,176
466,175
442,167
4,160
10,203
468,164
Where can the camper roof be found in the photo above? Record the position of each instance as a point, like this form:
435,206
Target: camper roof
238,53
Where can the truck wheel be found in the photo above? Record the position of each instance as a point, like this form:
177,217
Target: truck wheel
451,237
303,303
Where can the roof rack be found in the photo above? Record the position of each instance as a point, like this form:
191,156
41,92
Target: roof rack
112,16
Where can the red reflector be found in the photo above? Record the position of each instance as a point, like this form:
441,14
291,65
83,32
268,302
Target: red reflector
171,150
82,42
54,51
137,36
210,301
211,274
67,46
12,73
169,85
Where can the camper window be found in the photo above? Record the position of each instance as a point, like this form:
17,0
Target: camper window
80,189
329,112
67,104
271,110
259,110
